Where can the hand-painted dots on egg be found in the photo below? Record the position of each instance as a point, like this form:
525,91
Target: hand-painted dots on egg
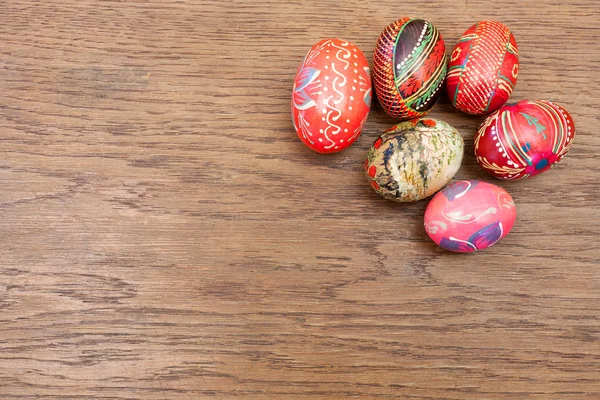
331,96
409,68
524,139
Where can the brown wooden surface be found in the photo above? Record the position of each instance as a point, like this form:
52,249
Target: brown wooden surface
165,235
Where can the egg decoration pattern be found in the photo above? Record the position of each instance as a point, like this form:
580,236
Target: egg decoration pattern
469,215
409,68
483,68
414,159
524,139
331,96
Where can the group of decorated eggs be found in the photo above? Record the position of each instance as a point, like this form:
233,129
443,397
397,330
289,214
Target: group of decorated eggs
419,156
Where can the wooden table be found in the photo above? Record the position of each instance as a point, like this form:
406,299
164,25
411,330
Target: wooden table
165,235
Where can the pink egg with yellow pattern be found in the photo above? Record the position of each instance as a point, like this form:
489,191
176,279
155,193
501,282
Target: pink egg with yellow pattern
331,96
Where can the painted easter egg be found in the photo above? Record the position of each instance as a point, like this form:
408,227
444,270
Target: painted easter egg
524,139
331,96
409,68
469,215
414,159
483,68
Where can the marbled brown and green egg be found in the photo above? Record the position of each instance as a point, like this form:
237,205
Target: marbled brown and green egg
414,159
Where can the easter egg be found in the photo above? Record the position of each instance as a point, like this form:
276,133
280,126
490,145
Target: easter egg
469,215
409,68
331,96
524,139
414,159
483,68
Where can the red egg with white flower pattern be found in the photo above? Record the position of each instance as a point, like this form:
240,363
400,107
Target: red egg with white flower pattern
332,96
524,139
483,68
467,216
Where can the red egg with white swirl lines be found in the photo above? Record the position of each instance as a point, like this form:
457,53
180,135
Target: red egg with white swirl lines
331,96
524,139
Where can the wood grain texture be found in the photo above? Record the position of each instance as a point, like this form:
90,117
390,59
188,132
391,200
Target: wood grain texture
165,235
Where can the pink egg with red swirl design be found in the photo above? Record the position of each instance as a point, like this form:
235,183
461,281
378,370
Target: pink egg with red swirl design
524,139
332,96
469,215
